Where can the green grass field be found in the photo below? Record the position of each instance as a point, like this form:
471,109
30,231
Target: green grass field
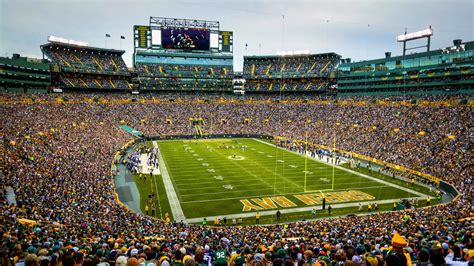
210,180
156,186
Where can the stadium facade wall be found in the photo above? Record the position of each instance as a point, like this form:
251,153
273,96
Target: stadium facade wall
21,74
443,71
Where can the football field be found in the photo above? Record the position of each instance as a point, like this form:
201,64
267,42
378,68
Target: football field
222,177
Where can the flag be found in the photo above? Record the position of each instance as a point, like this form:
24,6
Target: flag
122,37
107,35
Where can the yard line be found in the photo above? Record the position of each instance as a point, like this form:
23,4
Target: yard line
269,195
199,165
315,187
266,169
246,180
356,173
192,175
243,168
245,190
192,170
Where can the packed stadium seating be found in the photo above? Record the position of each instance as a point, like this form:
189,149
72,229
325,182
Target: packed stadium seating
96,82
320,65
194,71
286,85
184,71
182,77
86,58
83,67
193,77
57,160
296,72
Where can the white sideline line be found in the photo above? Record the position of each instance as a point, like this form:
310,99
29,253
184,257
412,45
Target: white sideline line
179,215
176,209
156,186
354,172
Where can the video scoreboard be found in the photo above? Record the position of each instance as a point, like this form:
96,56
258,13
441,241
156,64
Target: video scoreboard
182,35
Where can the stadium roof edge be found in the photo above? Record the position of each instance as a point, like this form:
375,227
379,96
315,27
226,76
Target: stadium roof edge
28,61
98,49
290,56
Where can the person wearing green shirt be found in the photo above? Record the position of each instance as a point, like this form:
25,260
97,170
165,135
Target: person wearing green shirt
240,260
220,256
178,258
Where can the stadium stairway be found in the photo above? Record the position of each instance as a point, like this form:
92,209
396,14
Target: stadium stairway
9,192
324,68
199,131
10,196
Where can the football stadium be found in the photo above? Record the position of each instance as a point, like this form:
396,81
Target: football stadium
207,141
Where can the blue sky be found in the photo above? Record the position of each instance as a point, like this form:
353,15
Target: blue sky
362,29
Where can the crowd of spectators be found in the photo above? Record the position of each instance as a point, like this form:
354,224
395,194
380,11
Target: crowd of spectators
290,66
195,71
287,85
85,58
86,81
57,159
184,77
87,68
185,84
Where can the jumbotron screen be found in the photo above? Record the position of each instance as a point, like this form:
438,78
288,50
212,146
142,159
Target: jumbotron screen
187,39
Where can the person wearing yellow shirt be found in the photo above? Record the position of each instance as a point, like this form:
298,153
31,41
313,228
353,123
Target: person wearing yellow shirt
234,255
257,218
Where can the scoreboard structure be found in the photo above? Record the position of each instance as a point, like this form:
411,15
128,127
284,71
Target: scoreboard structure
186,35
174,54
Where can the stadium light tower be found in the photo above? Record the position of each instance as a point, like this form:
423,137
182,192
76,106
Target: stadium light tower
415,36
